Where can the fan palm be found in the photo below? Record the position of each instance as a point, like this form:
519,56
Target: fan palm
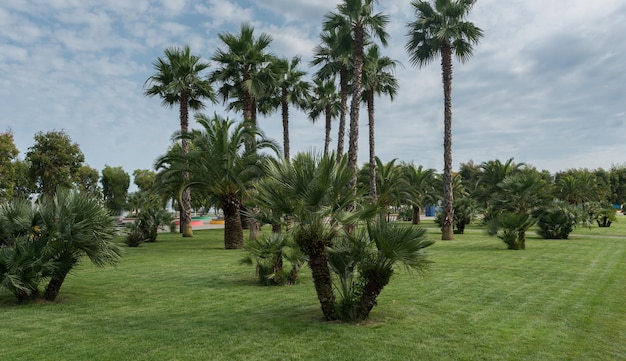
74,226
443,30
178,80
245,71
314,193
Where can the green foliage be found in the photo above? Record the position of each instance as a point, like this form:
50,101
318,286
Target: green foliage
86,181
8,156
618,184
115,183
135,235
465,210
606,216
270,253
219,165
54,161
511,228
151,219
364,261
47,240
145,179
557,220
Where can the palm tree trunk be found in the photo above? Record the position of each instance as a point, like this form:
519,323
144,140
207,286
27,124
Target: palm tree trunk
343,85
372,288
233,232
322,280
56,281
353,148
370,115
448,211
248,110
285,114
185,215
416,215
329,119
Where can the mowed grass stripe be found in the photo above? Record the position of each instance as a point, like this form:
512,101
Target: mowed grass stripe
191,300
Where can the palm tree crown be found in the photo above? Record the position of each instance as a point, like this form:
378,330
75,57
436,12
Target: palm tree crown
244,70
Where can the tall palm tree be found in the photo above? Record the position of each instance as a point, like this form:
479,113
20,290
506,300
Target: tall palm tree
293,91
221,165
334,54
443,30
378,79
244,70
325,100
359,16
178,80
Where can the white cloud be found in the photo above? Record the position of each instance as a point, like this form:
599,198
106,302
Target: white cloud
545,85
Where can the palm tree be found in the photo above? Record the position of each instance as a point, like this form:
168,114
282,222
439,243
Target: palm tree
334,54
492,173
378,79
178,80
244,70
325,100
420,188
293,91
74,225
443,30
222,166
521,195
312,191
359,16
389,182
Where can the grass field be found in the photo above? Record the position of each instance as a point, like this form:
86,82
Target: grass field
182,299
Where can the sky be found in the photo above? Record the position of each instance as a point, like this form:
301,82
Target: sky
546,85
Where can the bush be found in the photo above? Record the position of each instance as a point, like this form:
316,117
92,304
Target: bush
62,230
558,220
465,210
364,262
135,235
605,216
269,253
511,228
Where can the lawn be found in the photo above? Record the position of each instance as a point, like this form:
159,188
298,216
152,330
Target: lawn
188,299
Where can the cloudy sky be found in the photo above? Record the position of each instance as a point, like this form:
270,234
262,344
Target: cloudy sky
546,85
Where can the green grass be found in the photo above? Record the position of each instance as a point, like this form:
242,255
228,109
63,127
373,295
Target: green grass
181,299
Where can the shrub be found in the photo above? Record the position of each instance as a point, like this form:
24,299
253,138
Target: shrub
269,253
558,220
605,216
135,235
465,210
364,261
61,231
511,228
